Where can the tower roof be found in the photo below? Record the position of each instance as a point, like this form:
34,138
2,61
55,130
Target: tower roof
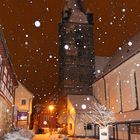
77,12
74,4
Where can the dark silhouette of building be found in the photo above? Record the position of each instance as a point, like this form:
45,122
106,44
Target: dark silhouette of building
76,50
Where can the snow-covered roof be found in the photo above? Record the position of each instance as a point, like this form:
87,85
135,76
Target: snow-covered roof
122,54
78,17
23,88
100,64
80,101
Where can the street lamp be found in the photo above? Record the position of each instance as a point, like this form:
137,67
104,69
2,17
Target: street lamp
45,123
51,108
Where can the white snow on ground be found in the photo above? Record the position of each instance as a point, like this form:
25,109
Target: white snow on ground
22,134
54,136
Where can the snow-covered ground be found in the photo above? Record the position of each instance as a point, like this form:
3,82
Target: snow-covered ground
47,136
22,134
57,137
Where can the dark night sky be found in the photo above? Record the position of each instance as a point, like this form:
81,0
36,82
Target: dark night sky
34,50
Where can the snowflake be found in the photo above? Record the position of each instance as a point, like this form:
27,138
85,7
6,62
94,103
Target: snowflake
130,43
50,56
120,48
83,106
98,71
26,43
137,65
123,10
114,17
66,47
100,19
37,23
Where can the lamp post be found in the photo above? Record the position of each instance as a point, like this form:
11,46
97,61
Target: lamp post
51,108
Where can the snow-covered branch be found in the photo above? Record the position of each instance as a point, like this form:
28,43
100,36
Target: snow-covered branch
95,113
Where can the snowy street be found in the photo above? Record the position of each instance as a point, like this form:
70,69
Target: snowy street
55,137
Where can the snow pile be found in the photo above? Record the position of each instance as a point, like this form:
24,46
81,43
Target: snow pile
56,136
22,134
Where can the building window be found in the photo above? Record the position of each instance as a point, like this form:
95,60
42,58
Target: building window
136,90
70,126
23,102
135,128
22,116
120,90
89,126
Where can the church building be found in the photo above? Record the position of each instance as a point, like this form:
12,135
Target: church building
76,50
118,88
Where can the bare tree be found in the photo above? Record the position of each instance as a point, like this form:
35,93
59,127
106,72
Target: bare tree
94,113
99,114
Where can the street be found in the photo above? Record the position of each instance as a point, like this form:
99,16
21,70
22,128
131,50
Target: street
41,137
55,137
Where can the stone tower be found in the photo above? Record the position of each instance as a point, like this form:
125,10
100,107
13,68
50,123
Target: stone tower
76,50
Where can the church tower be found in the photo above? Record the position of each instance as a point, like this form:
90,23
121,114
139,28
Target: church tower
76,50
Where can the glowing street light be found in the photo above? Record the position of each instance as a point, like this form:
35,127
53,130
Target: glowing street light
51,108
45,122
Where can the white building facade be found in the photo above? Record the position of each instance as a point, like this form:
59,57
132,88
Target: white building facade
119,89
23,107
78,123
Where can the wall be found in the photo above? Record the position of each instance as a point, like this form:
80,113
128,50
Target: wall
121,90
77,120
120,87
99,91
5,116
71,118
23,93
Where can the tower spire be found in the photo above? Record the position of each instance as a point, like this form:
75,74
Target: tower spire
74,4
74,12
